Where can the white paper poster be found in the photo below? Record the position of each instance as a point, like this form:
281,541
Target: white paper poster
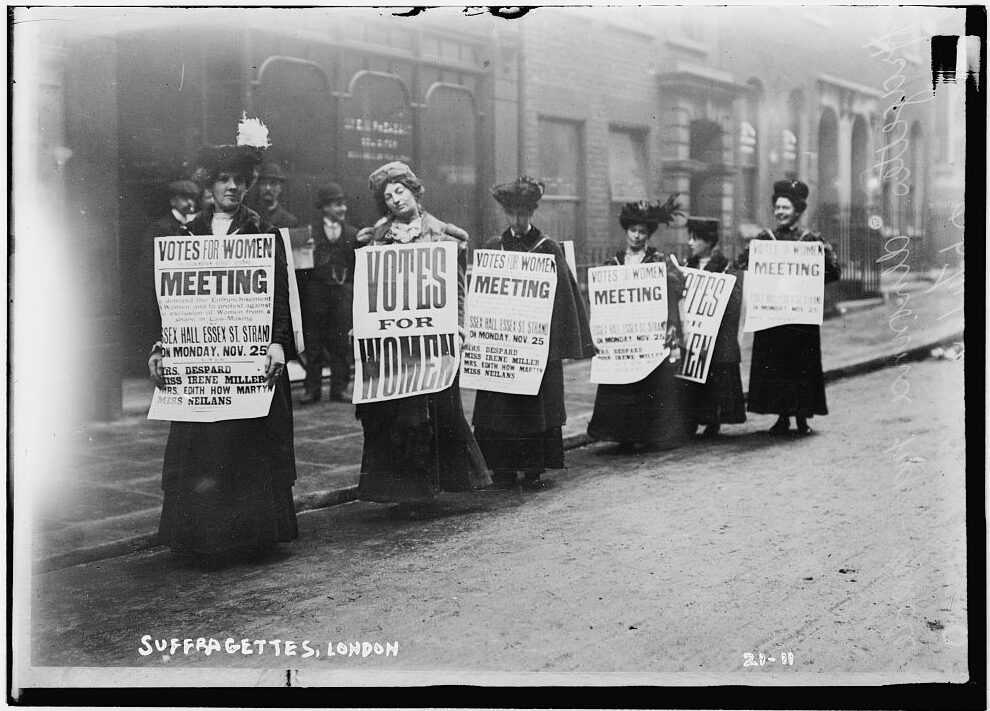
569,257
301,246
785,284
706,295
215,296
509,308
628,321
295,308
406,339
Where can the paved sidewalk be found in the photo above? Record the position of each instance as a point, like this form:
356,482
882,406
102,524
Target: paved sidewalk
109,501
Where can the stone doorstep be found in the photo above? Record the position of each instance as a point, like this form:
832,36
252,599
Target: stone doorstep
324,499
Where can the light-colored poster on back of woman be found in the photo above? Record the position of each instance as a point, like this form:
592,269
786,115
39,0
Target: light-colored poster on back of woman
628,321
509,307
785,284
706,295
215,296
406,339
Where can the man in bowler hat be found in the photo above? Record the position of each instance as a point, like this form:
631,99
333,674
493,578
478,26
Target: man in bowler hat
271,179
327,295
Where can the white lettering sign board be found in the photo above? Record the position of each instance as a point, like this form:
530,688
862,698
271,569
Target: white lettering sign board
509,308
785,284
406,339
215,295
628,321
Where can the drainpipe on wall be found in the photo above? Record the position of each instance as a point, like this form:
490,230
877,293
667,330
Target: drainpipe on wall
521,88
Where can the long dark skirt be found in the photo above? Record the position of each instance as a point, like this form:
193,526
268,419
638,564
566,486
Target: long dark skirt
532,453
416,447
719,401
228,485
786,376
650,411
523,432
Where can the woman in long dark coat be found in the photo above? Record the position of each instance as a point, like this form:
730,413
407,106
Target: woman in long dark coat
228,485
524,433
719,400
786,376
415,447
648,413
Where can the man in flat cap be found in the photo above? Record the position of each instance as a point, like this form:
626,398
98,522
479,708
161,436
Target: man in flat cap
182,196
271,179
327,293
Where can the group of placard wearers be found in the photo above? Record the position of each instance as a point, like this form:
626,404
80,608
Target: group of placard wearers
228,484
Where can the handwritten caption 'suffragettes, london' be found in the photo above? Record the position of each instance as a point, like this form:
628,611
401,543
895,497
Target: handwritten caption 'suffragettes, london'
304,649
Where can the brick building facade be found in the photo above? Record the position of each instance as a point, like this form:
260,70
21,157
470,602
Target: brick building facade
605,105
717,103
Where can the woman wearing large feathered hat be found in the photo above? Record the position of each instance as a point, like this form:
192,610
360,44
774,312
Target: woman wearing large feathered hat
228,485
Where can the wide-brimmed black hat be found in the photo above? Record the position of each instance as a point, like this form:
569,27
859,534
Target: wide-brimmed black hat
522,194
185,188
651,214
328,193
705,228
794,190
241,159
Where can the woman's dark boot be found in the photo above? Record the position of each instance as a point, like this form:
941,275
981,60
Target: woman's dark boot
781,427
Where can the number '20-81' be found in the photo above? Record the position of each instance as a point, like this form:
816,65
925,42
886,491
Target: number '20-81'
760,659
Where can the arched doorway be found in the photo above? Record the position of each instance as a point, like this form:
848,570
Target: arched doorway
293,100
861,173
858,253
829,209
376,124
449,135
791,139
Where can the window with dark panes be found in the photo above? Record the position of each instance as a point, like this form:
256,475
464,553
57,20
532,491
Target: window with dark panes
627,165
560,171
376,123
293,100
627,171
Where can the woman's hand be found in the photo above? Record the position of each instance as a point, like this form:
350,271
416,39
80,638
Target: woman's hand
155,370
455,232
364,235
274,363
